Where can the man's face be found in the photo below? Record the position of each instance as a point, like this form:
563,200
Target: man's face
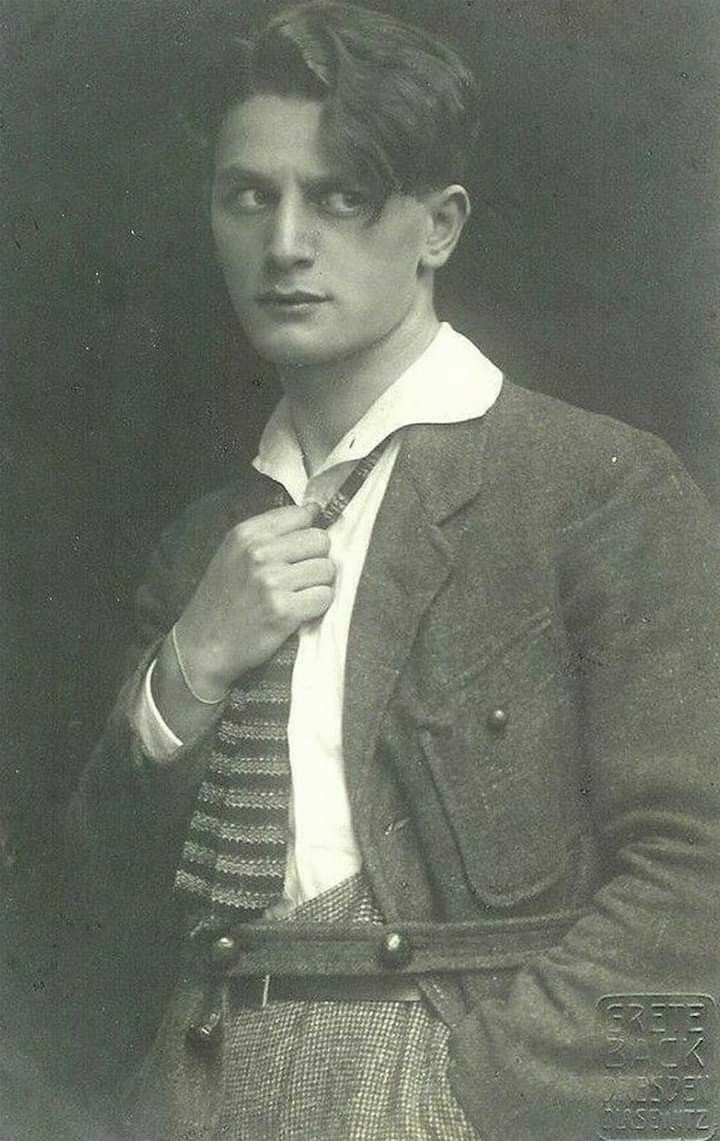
314,275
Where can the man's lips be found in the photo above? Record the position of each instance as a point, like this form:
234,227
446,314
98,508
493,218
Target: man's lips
290,297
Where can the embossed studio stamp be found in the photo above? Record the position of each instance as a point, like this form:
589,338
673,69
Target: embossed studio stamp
660,1062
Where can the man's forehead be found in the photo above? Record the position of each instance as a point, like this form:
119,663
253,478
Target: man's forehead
271,134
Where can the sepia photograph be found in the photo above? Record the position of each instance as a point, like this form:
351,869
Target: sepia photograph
360,570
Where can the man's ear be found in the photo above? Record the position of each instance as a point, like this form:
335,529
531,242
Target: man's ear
447,212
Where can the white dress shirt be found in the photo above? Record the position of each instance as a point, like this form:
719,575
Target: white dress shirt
450,382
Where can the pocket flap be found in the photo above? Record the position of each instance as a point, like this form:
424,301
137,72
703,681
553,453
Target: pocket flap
503,757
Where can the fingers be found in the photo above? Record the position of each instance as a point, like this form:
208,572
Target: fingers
284,535
295,547
308,573
279,521
311,603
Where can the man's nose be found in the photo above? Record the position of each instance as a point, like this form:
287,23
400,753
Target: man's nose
292,240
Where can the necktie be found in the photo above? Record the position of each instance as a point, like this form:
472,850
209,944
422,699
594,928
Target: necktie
235,851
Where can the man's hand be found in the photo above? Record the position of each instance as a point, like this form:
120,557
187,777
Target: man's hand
270,574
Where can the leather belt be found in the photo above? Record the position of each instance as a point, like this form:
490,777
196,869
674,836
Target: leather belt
255,992
262,963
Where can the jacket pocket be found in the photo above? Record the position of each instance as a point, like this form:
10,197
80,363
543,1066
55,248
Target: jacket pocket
504,758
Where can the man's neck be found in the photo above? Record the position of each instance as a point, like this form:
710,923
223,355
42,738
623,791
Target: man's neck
327,400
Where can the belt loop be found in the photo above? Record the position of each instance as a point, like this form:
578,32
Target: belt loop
265,991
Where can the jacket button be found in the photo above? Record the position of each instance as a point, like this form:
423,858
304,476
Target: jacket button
224,949
395,950
497,720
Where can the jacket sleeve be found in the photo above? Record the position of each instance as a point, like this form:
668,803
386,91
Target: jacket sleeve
127,817
639,580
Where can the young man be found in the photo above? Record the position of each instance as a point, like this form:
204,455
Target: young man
432,763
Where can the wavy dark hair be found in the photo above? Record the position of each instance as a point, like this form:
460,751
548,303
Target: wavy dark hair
400,106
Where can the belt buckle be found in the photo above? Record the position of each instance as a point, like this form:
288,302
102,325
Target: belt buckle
264,998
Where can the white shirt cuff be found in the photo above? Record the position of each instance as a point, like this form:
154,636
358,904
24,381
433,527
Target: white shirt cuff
158,739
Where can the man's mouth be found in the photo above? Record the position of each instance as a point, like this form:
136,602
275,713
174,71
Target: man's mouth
290,297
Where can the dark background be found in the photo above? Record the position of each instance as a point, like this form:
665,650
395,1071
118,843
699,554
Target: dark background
590,272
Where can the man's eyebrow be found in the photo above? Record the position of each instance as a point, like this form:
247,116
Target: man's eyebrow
235,173
327,182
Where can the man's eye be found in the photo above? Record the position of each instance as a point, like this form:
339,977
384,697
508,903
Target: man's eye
344,202
247,199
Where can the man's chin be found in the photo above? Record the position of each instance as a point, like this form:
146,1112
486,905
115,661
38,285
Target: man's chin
296,348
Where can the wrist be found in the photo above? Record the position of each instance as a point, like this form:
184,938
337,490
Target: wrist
202,688
184,716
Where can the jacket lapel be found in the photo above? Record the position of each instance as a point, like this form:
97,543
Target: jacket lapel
437,472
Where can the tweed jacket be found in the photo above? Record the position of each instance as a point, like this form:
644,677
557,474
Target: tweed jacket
531,737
